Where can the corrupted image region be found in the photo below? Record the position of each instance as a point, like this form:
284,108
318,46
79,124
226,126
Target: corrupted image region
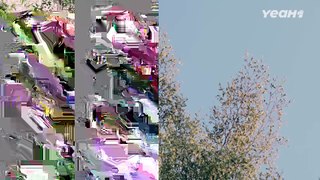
37,89
119,111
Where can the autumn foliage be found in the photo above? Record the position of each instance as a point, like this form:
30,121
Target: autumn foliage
241,137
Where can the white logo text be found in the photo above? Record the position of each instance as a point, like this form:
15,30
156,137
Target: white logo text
282,13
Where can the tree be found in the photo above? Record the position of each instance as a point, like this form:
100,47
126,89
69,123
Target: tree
46,5
3,6
171,98
182,144
69,4
244,126
25,3
13,7
241,139
36,7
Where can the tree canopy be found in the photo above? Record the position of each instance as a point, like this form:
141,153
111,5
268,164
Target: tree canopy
239,139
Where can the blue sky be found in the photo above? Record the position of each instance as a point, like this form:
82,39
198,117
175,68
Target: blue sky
211,37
